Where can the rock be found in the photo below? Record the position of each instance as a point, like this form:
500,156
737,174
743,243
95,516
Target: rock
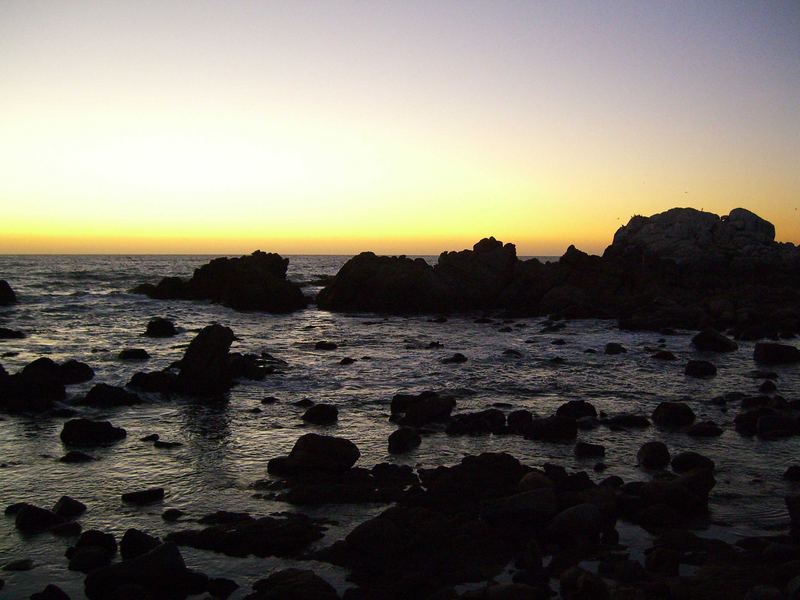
69,508
792,473
627,420
663,561
204,366
775,354
552,429
220,587
347,361
688,461
142,497
653,455
10,334
50,592
103,395
768,387
422,409
172,514
313,452
491,420
673,415
325,345
7,295
255,282
521,515
404,440
284,535
84,432
161,573
23,564
136,543
73,371
519,421
456,358
705,429
576,409
32,519
160,327
321,414
774,426
161,382
584,521
615,348
711,340
34,389
700,368
664,355
74,456
577,584
293,584
585,450
133,354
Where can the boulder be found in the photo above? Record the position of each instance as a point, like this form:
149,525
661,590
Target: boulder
32,519
552,429
141,497
421,409
69,508
700,368
136,543
653,455
769,353
321,414
133,354
576,409
85,432
673,415
10,334
50,592
103,395
204,366
711,340
293,584
491,420
314,452
73,371
160,382
615,348
7,295
688,461
160,327
404,440
586,450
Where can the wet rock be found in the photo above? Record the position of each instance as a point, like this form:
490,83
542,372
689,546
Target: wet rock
700,368
50,592
34,390
69,508
172,514
285,535
792,473
491,420
626,420
576,409
85,432
220,587
535,480
673,415
68,373
75,456
103,395
10,334
73,371
161,573
325,345
7,295
711,340
653,455
160,327
321,414
304,403
586,450
521,515
204,367
583,521
136,543
421,409
615,348
133,354
293,584
142,497
519,421
23,564
94,549
705,429
775,354
404,440
347,361
456,358
688,461
162,445
774,426
255,282
313,452
159,382
768,387
577,584
664,355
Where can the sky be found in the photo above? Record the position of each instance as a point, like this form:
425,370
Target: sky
401,127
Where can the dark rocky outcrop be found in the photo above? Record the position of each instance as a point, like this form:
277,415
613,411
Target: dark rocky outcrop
314,452
142,497
421,409
85,432
711,340
321,414
673,415
160,327
204,368
253,283
681,268
653,455
404,440
775,354
7,295
700,368
103,395
34,389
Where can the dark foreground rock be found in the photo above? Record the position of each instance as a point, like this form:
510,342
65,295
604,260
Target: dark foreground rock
313,452
293,584
681,268
256,282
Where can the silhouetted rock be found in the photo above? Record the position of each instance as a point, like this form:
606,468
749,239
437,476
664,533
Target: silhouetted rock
69,507
404,440
673,415
321,414
704,429
615,348
74,456
576,409
162,382
455,359
141,497
136,543
32,519
103,395
204,367
775,354
688,461
424,408
256,282
653,455
34,389
7,295
10,334
711,340
50,592
700,368
85,432
133,354
491,420
325,345
313,452
293,584
160,327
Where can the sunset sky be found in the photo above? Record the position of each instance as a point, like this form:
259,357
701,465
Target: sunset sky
407,126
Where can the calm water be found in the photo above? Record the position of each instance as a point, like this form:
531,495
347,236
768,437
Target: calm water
79,307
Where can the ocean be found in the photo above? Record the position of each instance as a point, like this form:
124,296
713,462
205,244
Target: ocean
80,307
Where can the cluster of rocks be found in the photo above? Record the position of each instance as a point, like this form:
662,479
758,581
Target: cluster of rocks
256,282
682,268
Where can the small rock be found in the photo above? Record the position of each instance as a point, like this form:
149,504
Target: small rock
133,354
144,496
700,368
324,345
653,455
160,327
321,414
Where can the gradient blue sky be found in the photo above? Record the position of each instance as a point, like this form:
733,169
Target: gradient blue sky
393,126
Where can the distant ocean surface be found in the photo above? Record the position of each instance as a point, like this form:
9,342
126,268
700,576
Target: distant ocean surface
80,307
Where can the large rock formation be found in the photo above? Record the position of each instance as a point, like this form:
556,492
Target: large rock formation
7,295
254,282
682,268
